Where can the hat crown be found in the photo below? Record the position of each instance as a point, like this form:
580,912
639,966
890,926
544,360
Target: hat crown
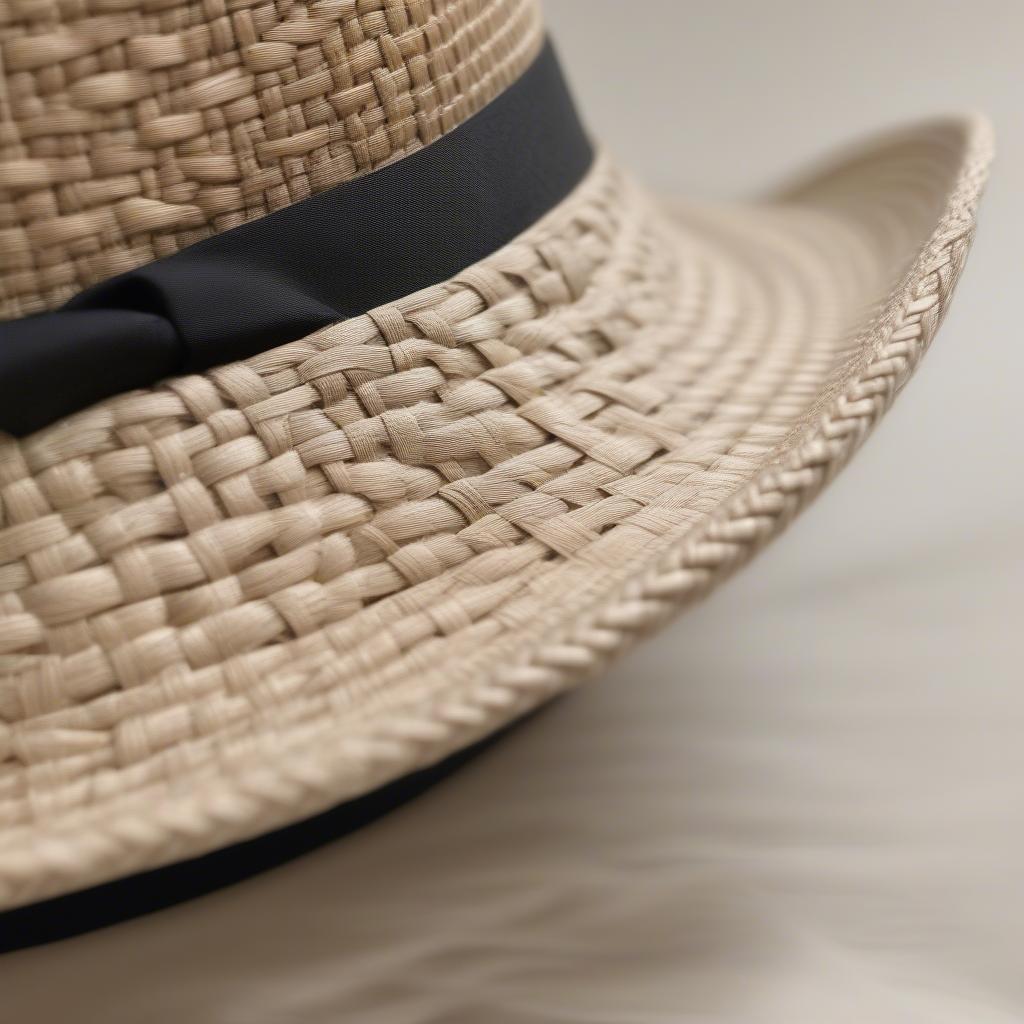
133,129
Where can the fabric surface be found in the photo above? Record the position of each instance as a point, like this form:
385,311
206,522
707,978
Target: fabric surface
718,831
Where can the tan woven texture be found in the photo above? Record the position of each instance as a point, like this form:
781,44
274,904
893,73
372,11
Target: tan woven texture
238,598
131,129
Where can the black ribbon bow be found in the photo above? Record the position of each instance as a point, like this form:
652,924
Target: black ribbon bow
334,255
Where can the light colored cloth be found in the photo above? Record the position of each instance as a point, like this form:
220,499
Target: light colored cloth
719,830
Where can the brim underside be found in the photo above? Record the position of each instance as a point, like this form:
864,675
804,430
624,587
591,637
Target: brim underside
243,597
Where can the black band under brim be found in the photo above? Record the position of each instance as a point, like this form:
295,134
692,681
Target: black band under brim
135,895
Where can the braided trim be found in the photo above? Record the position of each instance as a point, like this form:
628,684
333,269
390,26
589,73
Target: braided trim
769,503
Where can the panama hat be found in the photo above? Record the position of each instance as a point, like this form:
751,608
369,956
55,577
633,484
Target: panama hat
354,403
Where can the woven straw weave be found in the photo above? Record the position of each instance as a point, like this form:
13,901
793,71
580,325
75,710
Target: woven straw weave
131,129
235,599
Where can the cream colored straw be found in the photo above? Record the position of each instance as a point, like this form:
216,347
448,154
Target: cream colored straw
131,129
235,599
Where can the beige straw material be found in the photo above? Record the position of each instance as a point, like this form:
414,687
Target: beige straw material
131,128
238,598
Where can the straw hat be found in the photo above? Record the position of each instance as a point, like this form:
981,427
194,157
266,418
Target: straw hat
355,404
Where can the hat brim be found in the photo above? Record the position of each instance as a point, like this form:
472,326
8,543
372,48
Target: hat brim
243,610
